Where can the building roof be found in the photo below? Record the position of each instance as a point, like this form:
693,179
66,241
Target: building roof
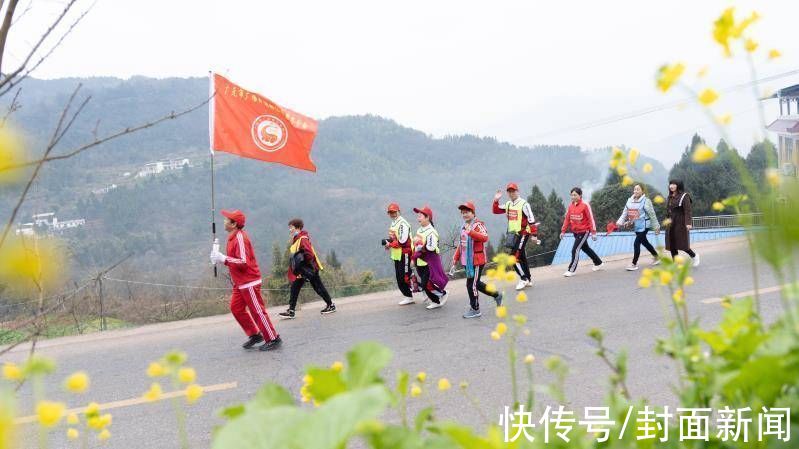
784,126
790,91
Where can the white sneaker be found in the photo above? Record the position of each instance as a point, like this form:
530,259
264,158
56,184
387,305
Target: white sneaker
405,301
568,274
598,267
530,282
522,283
632,267
696,261
655,261
444,298
433,305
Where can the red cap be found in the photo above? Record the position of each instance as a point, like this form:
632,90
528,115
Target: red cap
512,186
393,207
235,215
425,210
467,205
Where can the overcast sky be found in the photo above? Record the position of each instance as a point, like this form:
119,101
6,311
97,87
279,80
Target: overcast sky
527,72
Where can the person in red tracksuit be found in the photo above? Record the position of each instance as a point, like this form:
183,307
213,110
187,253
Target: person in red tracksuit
245,302
471,254
581,220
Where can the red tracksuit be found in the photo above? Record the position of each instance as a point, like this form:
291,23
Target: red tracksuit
246,295
579,218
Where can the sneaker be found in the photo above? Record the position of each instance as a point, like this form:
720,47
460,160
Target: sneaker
568,274
433,305
444,298
530,282
288,315
522,283
252,341
598,267
655,261
632,267
329,309
270,345
498,299
405,301
471,313
695,261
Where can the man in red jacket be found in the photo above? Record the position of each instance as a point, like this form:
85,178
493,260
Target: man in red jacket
471,254
581,220
245,302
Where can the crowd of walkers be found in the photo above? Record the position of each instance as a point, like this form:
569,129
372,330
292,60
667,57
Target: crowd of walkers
418,267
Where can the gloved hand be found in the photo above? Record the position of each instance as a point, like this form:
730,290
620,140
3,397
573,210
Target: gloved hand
217,257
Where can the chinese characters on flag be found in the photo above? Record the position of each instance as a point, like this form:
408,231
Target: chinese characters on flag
249,125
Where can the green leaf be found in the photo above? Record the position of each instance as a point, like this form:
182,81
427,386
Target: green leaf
423,417
394,437
365,361
232,412
272,395
463,436
259,428
326,383
403,378
337,419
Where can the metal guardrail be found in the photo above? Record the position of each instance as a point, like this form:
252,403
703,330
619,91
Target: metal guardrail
727,221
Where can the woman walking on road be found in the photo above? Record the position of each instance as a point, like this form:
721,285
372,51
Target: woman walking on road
679,225
639,214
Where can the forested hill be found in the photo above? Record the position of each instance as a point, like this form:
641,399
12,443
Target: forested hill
363,163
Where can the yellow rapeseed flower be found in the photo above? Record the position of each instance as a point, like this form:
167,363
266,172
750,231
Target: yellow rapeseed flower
666,223
678,295
337,366
93,409
501,328
520,319
443,384
495,335
647,168
73,434
627,181
99,422
750,45
633,156
613,163
665,277
72,419
645,282
491,288
647,272
491,272
659,199
49,413
708,97
668,76
529,358
502,312
416,390
28,263
521,297
702,154
774,53
773,177
617,153
154,393
421,376
510,276
679,259
724,119
723,29
510,260
155,369
307,379
12,372
12,153
718,206
688,281
104,435
193,393
622,170
187,375
77,382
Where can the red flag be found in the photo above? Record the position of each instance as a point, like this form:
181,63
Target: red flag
250,125
611,226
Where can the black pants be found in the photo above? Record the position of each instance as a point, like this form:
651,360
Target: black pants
640,239
581,243
474,285
424,277
316,282
402,269
688,251
521,266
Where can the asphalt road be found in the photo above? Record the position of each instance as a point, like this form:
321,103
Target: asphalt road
439,342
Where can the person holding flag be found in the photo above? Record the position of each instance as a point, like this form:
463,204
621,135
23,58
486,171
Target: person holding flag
304,265
399,246
581,221
427,259
521,227
470,253
639,214
246,303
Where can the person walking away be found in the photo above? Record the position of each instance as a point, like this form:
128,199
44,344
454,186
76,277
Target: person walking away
470,253
246,303
428,260
399,245
521,228
580,220
679,226
304,265
639,214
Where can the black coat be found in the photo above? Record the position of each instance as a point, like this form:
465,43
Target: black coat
679,212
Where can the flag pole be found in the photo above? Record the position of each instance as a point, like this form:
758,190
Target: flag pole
211,146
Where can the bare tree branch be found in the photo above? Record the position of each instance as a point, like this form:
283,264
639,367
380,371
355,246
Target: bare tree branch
19,17
6,27
105,139
35,48
58,133
12,108
14,81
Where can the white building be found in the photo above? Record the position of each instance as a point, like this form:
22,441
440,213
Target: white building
49,222
154,168
787,129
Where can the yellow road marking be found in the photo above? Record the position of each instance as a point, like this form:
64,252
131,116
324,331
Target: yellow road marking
762,291
134,401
